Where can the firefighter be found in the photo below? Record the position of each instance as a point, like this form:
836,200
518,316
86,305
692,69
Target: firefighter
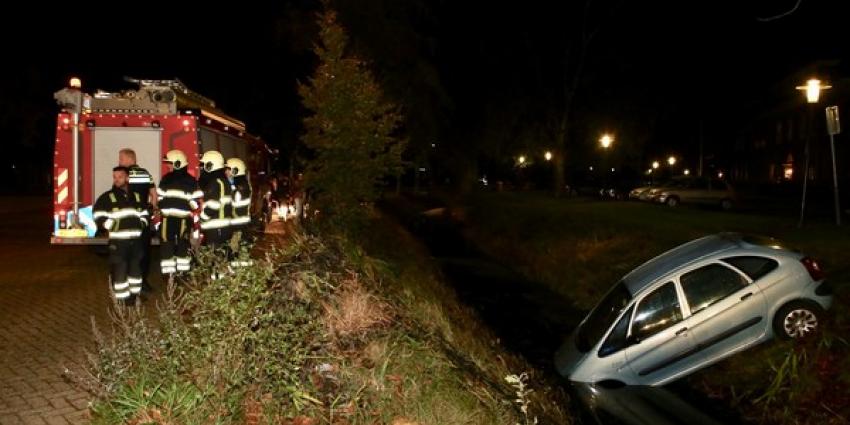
217,208
121,212
178,197
141,182
242,196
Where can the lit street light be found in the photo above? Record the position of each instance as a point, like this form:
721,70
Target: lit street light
671,160
548,156
687,171
812,88
655,165
606,141
521,159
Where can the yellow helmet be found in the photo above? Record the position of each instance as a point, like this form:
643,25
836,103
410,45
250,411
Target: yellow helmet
237,167
177,158
211,161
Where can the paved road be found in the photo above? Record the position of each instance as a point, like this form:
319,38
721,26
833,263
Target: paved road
48,297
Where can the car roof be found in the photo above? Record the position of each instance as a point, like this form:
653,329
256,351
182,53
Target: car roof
647,273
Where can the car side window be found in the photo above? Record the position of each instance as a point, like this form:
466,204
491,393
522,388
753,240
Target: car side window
754,267
710,284
617,339
657,311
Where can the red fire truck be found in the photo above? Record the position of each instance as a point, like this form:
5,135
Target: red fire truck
158,116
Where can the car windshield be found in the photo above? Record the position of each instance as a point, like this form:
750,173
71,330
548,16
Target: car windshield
602,316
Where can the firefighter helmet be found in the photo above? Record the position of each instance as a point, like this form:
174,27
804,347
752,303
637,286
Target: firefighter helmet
237,167
212,160
176,158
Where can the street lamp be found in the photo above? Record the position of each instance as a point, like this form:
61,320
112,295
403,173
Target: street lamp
671,160
521,159
606,140
687,171
655,165
548,155
812,88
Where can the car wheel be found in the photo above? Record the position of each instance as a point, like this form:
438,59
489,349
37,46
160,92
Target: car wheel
797,319
726,204
672,201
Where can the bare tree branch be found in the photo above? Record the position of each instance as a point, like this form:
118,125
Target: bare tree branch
781,15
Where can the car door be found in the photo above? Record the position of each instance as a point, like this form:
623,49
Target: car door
700,192
658,336
727,311
718,190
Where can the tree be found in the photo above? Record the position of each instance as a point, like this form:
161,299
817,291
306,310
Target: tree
400,40
352,131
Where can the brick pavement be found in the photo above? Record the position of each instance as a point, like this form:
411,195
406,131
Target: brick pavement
48,295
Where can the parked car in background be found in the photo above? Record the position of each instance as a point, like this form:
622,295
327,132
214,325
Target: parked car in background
698,191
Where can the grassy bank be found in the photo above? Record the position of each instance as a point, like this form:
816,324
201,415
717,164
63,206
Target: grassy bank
317,331
579,248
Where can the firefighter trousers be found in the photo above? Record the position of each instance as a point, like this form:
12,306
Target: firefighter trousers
174,244
219,240
145,249
240,239
125,261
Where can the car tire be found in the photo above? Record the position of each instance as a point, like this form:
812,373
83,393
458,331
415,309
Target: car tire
726,204
672,201
797,320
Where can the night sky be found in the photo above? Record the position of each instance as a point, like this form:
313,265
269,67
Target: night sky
654,70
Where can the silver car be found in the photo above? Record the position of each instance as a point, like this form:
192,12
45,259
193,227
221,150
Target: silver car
697,191
694,306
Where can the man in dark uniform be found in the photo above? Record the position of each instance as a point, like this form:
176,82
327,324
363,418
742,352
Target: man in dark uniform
217,205
241,217
141,182
178,198
119,212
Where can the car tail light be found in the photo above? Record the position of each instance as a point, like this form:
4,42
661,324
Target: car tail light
813,268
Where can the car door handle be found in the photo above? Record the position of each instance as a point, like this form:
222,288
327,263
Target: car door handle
681,331
747,295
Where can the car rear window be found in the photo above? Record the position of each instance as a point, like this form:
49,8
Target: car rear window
754,267
767,242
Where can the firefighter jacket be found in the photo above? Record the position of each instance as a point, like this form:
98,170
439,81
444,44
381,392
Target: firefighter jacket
122,213
241,201
141,182
178,194
217,208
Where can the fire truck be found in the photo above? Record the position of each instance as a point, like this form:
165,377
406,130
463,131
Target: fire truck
154,117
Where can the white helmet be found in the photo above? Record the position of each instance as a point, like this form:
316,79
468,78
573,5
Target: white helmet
237,167
211,161
176,158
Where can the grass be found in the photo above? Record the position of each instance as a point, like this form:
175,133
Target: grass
318,331
580,247
465,344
